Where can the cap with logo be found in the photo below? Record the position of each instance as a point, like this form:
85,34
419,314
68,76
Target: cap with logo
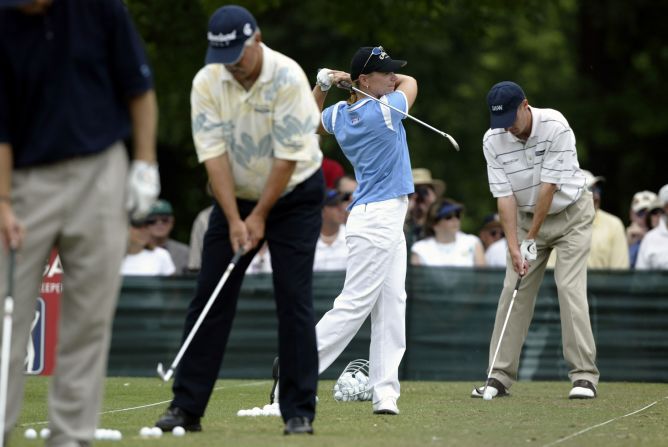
229,29
369,59
503,100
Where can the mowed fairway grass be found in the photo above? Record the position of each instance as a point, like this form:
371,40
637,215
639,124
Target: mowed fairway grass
432,414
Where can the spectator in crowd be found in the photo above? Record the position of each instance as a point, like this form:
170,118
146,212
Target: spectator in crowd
653,252
346,185
427,190
74,84
161,223
609,249
446,244
254,124
494,241
332,171
200,224
541,194
143,258
640,204
654,214
491,230
331,251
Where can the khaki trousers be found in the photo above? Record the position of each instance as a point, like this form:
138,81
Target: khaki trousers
78,206
570,233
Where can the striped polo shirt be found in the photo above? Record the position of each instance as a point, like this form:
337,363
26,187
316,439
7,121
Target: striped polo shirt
548,156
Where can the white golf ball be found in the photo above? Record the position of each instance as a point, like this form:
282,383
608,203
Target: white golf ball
145,432
178,431
487,396
116,435
156,432
30,433
44,433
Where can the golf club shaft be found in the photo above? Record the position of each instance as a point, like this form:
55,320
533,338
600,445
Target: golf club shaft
503,330
204,312
443,134
6,344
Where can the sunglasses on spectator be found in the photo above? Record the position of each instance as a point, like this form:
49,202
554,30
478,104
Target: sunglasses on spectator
155,220
495,233
139,224
375,51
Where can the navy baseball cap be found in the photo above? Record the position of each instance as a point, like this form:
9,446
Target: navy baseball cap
447,208
503,99
369,59
229,29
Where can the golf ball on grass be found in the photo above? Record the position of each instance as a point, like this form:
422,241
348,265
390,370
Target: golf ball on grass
487,396
44,433
178,431
30,433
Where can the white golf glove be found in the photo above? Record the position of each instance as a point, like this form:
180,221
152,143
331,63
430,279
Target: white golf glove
324,79
143,188
528,250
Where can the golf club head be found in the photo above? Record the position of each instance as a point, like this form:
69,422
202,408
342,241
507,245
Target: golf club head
452,141
164,376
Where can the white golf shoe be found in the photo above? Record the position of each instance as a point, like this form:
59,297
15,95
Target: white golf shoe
494,388
387,405
582,389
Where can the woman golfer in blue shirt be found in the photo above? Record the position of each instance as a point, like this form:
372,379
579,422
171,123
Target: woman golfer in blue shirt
373,139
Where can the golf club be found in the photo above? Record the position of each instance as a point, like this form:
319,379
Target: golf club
168,375
6,343
503,330
346,86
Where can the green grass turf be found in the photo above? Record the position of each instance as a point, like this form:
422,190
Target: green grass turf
432,414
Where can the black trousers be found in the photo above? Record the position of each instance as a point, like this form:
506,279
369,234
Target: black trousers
292,230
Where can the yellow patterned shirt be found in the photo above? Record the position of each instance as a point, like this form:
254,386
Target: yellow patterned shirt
276,119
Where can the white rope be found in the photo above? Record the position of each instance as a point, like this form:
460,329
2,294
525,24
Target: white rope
140,407
560,440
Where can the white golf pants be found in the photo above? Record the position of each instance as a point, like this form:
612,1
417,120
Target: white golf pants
374,285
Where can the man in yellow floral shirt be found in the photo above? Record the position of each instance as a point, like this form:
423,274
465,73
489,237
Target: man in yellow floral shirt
253,121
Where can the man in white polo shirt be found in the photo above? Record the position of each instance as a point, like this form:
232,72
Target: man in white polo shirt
253,121
543,204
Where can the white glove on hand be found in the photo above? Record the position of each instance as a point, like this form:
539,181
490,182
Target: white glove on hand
143,188
324,79
528,249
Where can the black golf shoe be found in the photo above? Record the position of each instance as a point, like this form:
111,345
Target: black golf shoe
177,417
298,425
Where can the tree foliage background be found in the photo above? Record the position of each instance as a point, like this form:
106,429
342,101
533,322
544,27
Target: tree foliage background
603,64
